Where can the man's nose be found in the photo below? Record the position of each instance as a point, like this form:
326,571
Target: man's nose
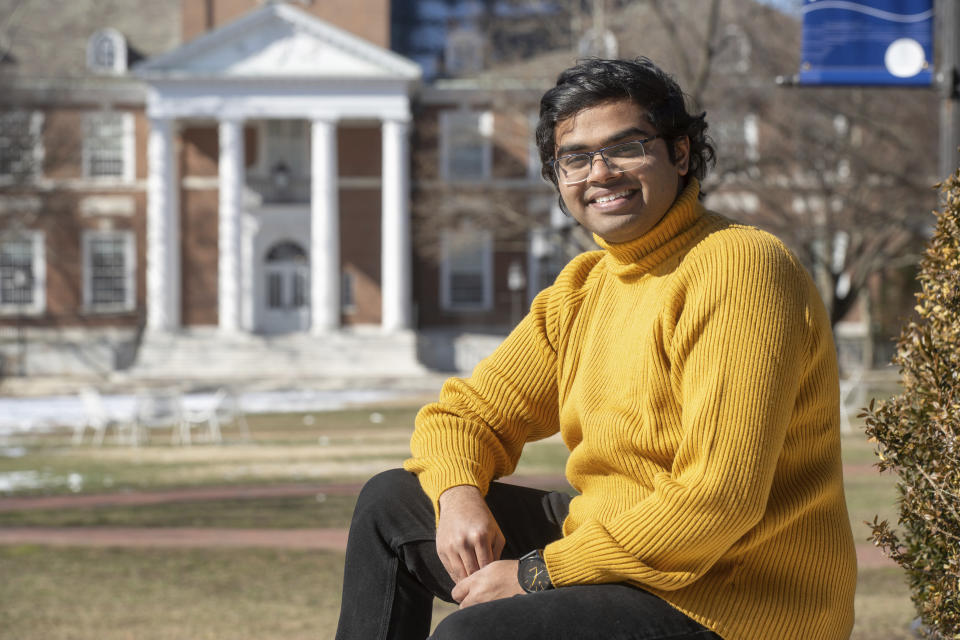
600,171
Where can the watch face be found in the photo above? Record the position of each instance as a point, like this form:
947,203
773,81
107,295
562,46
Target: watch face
532,573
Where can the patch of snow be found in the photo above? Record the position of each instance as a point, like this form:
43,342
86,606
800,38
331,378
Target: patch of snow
20,415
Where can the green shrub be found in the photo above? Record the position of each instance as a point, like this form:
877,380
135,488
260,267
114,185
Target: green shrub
918,433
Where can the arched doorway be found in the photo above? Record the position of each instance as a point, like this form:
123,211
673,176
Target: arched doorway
286,291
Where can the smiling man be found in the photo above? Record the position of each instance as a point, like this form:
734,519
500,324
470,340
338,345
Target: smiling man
688,366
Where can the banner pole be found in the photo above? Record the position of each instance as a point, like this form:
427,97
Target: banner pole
947,80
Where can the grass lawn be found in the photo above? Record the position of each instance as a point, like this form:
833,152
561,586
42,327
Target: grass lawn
252,513
114,594
80,593
293,447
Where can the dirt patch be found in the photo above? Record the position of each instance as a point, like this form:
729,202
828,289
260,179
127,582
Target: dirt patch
191,494
327,539
868,556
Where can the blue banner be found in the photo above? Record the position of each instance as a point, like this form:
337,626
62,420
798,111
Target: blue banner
871,42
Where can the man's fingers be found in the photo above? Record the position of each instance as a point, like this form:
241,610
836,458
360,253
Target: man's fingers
470,561
498,544
484,554
460,591
454,566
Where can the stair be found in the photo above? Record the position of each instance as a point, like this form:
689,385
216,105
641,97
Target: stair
205,353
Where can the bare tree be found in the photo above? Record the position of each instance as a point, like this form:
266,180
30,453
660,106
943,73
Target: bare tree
843,176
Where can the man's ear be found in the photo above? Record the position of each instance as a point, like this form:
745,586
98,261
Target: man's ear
681,152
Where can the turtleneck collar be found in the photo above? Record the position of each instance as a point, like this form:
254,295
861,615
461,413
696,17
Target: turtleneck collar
650,248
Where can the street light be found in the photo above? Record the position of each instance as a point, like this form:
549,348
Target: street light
516,283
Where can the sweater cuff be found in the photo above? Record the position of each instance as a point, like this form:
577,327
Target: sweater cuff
565,559
436,479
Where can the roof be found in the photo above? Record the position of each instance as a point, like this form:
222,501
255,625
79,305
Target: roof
277,40
48,38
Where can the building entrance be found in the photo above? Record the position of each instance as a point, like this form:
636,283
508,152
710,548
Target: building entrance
286,289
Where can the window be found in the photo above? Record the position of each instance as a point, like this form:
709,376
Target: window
739,139
22,273
20,144
465,149
108,146
466,270
286,272
107,52
463,53
109,265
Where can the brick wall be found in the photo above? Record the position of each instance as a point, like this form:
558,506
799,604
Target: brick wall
369,19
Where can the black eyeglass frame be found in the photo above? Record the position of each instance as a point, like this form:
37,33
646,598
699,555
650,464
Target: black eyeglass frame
590,154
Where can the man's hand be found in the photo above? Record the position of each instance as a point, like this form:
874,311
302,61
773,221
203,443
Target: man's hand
494,581
468,536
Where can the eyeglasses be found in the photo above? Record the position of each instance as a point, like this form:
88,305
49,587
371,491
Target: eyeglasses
575,167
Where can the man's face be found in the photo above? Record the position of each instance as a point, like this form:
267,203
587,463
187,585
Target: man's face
619,207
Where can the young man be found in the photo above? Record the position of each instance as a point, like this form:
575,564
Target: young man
689,367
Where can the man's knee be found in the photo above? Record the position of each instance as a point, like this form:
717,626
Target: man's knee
464,624
393,497
381,491
385,485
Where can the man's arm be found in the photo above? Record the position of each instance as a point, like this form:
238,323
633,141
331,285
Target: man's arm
740,346
468,536
477,429
476,432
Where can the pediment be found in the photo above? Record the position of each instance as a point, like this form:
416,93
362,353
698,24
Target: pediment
279,41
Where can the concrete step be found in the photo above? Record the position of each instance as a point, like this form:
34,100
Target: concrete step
207,353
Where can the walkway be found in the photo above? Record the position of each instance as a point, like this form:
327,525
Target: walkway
330,539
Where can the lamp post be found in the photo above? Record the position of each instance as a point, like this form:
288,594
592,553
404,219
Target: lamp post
280,177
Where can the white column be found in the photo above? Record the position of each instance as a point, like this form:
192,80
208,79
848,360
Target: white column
324,228
231,194
163,242
395,281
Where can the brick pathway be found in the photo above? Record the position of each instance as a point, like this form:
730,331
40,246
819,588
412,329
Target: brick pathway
331,539
190,494
176,537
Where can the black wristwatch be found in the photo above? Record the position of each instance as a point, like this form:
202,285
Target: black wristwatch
532,572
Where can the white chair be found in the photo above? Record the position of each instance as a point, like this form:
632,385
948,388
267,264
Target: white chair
223,409
98,419
158,409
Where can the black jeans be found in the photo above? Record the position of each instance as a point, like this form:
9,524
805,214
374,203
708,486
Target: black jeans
392,574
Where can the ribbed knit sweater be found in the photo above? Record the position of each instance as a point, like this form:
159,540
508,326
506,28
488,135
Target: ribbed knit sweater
692,375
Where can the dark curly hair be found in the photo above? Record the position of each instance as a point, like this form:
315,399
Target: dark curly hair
593,81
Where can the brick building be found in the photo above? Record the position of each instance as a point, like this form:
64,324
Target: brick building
246,186
185,171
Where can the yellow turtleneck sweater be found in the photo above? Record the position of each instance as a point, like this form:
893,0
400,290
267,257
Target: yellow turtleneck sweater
692,375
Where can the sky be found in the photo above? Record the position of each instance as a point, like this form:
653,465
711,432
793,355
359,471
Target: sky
788,6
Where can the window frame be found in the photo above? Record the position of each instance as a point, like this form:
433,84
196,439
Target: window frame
484,131
88,237
35,126
127,146
463,51
482,238
39,267
119,43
